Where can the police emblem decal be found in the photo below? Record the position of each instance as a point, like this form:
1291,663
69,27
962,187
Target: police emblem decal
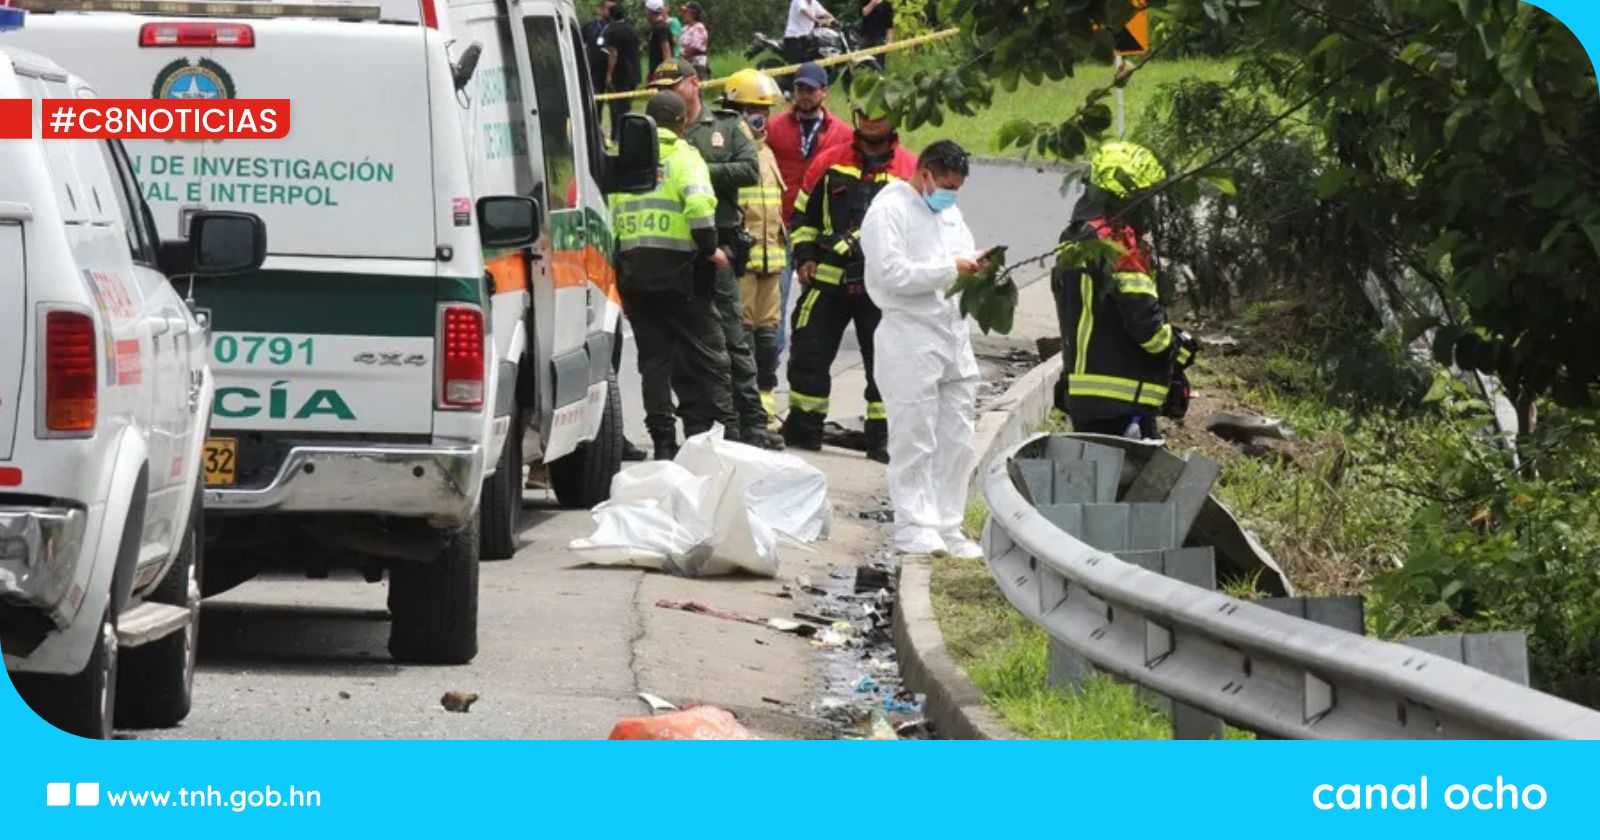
183,79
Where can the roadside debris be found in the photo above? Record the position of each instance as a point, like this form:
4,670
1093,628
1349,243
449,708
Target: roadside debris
1243,428
784,625
458,701
720,507
702,609
1221,345
344,695
698,723
656,704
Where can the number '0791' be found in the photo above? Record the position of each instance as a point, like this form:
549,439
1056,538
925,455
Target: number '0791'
272,351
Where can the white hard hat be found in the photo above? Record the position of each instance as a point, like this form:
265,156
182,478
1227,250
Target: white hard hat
654,5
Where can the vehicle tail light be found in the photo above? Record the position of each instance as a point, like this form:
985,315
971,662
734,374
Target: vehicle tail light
430,14
175,34
70,382
10,477
460,356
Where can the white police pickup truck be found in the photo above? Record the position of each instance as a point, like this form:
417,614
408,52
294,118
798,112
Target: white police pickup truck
439,303
105,396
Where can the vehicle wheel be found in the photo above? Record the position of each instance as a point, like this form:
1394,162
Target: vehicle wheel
159,677
434,606
583,479
501,510
83,704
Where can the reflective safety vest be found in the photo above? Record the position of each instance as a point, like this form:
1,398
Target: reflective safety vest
1118,347
655,230
763,218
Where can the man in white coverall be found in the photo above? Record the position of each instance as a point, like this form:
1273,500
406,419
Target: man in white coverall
916,244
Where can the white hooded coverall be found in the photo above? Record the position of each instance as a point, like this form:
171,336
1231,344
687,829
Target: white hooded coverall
925,367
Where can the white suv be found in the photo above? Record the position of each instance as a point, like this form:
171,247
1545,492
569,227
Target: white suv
105,398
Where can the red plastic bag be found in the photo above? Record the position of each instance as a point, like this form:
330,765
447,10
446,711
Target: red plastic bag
700,723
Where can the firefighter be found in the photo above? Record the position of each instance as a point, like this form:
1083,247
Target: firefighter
753,94
825,231
662,237
1121,358
729,150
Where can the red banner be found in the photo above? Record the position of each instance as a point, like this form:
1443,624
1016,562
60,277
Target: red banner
16,119
164,119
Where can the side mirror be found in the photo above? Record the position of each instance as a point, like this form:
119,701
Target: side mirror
224,242
508,221
638,160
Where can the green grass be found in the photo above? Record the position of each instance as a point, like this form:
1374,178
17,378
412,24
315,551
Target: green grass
1054,101
1006,656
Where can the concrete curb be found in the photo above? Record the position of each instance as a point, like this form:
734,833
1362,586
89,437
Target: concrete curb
954,705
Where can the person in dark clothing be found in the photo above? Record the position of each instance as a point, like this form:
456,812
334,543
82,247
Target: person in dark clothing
1120,355
622,74
594,41
661,45
877,25
826,232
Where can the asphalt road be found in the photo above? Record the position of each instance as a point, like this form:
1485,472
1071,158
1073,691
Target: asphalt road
564,649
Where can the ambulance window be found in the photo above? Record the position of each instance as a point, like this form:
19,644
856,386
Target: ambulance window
591,115
555,114
140,242
63,174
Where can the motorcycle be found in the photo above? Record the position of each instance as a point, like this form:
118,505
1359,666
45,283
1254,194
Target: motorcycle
823,43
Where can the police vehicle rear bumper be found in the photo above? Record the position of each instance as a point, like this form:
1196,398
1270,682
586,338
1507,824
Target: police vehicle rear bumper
439,483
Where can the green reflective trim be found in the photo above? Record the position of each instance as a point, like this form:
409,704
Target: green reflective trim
662,242
805,308
1085,322
877,411
1160,342
1116,388
832,275
808,403
1135,283
803,235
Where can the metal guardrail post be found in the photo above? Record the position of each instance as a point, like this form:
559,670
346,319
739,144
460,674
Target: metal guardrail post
1275,674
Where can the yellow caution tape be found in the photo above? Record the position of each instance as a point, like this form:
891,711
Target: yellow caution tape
897,46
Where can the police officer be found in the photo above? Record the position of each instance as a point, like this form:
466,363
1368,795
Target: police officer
662,237
825,230
1121,357
729,150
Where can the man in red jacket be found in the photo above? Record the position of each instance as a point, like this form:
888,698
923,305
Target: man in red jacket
825,231
796,137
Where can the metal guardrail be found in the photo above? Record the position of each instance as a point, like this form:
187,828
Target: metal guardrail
1126,611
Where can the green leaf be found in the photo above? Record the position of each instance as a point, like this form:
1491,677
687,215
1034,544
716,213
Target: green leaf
1591,229
1330,183
1443,246
1451,589
1222,179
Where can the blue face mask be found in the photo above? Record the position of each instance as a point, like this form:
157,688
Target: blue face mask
941,200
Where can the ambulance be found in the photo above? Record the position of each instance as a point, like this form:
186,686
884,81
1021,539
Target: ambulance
104,402
438,306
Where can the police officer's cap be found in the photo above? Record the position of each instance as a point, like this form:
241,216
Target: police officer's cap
666,107
670,72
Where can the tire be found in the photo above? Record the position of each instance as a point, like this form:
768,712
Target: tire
434,606
82,704
158,678
583,478
500,516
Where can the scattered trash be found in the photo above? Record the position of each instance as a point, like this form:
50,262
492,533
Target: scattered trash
872,578
915,726
832,638
700,723
812,618
344,695
881,730
1225,345
784,625
657,704
866,683
907,707
702,609
1241,428
880,515
458,701
720,507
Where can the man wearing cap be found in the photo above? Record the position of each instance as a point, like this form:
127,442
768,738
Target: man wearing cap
661,45
825,230
796,137
662,238
729,149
